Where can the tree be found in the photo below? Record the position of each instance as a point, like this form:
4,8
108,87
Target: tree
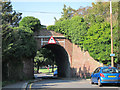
31,22
103,9
101,13
74,29
9,16
19,45
44,57
9,19
97,42
39,59
82,11
92,31
22,46
66,14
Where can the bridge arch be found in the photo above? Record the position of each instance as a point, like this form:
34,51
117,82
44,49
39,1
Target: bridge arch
61,59
71,60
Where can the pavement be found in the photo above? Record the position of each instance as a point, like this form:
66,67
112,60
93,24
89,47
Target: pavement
50,81
20,85
24,84
17,85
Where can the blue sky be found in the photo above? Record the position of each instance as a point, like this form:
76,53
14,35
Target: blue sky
45,11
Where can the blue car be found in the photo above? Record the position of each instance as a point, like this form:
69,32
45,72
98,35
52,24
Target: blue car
103,75
55,73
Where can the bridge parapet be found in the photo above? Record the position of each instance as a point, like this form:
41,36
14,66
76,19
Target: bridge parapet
43,40
44,35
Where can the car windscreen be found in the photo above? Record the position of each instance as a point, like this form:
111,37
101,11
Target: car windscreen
110,70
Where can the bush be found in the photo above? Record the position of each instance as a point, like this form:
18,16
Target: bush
51,27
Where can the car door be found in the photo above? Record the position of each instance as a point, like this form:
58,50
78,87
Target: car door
96,75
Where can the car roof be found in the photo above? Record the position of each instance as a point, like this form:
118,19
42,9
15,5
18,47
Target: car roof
106,67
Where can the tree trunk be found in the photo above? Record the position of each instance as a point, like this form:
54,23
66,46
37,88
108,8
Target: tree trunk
53,68
37,68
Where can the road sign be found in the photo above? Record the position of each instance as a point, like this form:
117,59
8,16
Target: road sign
51,40
112,54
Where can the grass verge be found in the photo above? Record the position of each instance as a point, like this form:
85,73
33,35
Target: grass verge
45,70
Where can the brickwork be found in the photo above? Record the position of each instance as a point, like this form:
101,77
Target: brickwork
69,49
81,63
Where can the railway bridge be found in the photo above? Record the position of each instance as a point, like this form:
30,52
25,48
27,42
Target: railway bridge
70,59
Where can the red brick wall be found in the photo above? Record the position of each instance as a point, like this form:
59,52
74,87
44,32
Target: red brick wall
82,64
69,49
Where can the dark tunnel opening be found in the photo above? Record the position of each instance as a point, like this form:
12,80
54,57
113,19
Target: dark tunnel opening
61,59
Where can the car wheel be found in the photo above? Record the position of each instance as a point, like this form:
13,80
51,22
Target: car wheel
92,81
55,75
99,83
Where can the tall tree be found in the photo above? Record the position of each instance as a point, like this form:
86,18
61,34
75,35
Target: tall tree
74,29
100,12
92,31
9,15
31,22
67,13
9,19
103,8
97,42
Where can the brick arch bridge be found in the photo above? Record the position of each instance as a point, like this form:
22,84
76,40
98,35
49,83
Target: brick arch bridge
71,60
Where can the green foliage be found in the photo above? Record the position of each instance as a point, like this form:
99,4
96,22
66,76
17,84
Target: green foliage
66,14
22,44
44,57
74,29
9,19
31,22
9,16
91,19
103,9
98,41
18,43
89,28
51,27
25,42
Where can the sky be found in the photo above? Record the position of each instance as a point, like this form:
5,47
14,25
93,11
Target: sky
46,10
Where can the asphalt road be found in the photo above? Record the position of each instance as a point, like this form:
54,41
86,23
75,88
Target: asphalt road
67,83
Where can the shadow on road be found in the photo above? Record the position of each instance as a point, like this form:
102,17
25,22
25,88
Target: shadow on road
52,81
108,85
111,85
